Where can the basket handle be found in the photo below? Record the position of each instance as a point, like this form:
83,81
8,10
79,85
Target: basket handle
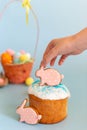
35,17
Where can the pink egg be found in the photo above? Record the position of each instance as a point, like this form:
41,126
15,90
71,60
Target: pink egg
10,51
22,52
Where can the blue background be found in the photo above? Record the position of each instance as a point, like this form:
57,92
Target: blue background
57,18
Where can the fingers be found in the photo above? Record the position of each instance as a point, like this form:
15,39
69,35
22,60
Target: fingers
62,59
49,58
42,64
49,47
53,61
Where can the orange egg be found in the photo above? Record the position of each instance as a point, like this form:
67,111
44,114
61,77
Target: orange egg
6,58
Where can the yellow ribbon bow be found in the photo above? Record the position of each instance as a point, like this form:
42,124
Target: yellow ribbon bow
26,4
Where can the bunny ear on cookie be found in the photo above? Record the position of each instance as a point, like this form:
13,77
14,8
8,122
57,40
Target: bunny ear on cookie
24,103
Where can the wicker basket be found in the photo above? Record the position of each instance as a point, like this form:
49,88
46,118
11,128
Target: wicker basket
17,73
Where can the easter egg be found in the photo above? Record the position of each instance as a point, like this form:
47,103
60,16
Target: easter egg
24,58
22,52
16,58
28,55
6,58
10,51
29,81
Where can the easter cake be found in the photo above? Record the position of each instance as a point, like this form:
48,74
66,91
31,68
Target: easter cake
50,102
50,99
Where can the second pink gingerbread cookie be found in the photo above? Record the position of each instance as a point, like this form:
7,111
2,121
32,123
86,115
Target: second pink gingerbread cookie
49,76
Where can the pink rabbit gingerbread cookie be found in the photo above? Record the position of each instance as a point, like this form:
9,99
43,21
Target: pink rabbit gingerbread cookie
28,114
49,76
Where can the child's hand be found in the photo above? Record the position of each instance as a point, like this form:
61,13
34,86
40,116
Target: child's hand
60,47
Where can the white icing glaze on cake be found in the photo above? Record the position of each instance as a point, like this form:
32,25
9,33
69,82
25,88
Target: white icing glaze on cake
46,92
